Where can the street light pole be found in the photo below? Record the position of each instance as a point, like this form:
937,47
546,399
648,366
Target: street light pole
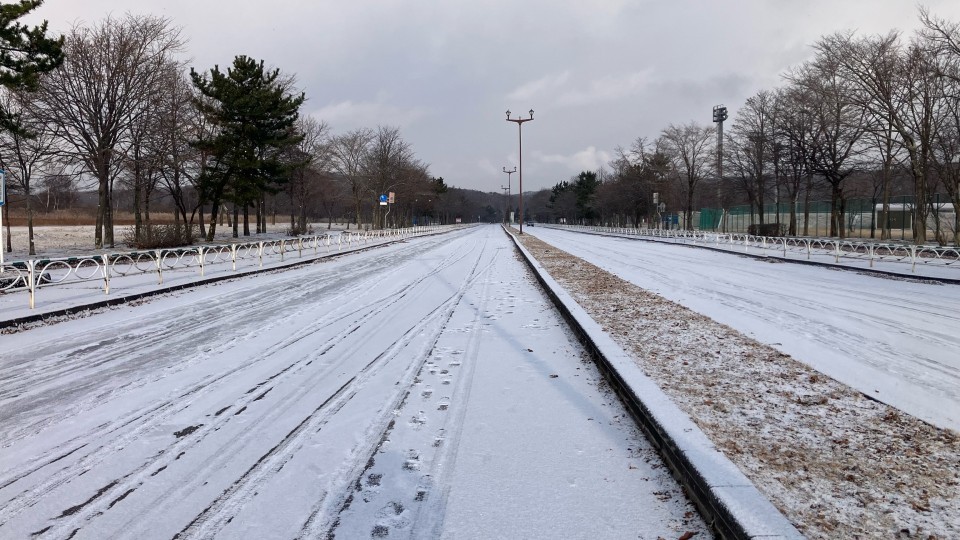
519,122
508,186
506,204
719,115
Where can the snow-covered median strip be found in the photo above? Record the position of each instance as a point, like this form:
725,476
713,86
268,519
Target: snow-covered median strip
723,493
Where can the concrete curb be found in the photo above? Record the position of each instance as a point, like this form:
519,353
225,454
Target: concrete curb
870,271
726,498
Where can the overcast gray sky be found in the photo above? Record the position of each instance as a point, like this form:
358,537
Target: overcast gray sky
597,73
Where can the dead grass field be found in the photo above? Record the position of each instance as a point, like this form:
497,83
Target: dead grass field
69,218
63,237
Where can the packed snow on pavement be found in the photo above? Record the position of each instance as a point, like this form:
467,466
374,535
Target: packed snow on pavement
423,388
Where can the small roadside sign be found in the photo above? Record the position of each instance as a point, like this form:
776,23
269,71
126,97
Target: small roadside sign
383,200
3,187
391,198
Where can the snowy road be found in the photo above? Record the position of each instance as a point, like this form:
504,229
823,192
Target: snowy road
425,389
898,341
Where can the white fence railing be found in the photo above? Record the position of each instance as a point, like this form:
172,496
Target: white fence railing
944,256
33,274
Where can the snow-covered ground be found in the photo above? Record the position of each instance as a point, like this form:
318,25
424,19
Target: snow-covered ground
938,263
897,341
72,241
80,281
426,388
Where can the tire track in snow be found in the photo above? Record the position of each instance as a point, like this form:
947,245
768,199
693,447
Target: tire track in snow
50,364
325,513
225,507
53,364
428,452
144,421
354,286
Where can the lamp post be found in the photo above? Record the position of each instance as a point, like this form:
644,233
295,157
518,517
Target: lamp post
506,204
508,188
656,209
519,122
719,115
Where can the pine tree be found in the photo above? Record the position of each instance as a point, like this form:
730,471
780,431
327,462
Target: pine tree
254,115
25,54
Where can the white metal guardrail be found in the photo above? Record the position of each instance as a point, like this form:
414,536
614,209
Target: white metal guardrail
943,256
33,274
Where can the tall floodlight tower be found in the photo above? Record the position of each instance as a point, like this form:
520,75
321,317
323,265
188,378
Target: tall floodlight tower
719,115
519,122
506,204
509,194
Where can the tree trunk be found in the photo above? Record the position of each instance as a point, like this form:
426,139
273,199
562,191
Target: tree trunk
843,216
146,216
203,232
836,224
262,211
138,233
261,220
108,217
920,210
146,209
6,221
236,220
32,249
257,211
885,233
246,219
214,214
358,214
793,216
102,205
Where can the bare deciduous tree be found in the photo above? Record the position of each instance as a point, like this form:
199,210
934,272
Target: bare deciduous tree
313,155
838,125
386,162
690,148
899,85
178,123
349,157
29,151
112,73
748,150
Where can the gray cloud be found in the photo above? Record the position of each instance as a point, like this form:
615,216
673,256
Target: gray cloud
599,73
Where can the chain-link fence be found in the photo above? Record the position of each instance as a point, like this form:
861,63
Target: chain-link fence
862,218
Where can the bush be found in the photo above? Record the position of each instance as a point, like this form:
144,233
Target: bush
155,236
768,229
297,231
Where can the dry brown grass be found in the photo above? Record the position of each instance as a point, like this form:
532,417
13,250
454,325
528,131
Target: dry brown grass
76,217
